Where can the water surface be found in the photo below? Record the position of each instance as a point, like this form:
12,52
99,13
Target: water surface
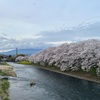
50,85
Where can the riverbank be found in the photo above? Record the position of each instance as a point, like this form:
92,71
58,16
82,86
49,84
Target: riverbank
4,86
89,76
76,74
5,70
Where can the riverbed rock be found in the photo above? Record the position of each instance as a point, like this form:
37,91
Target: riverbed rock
32,83
75,56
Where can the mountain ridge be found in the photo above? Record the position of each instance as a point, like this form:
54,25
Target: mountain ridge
21,51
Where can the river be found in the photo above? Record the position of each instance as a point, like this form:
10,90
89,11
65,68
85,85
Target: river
49,85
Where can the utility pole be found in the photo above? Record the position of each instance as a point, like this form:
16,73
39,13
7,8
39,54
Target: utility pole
16,51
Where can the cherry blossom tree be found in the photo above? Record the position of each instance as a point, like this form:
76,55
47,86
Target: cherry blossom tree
75,56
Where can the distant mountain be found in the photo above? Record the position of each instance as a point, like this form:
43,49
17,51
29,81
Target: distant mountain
21,51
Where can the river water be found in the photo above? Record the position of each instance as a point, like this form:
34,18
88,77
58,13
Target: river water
49,85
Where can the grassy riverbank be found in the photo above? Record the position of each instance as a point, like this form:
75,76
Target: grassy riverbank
90,76
4,85
5,70
24,62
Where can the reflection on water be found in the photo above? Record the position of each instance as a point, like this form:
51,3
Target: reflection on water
50,86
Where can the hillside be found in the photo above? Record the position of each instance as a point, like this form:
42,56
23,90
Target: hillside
21,51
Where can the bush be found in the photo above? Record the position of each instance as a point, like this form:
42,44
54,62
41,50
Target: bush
10,59
20,55
93,71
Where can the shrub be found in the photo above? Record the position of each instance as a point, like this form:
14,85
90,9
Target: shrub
93,71
20,55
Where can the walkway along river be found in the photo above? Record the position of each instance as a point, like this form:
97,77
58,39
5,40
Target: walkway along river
49,85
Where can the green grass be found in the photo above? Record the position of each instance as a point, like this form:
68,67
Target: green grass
4,85
24,62
3,63
2,73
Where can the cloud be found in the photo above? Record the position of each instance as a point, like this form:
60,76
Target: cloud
88,31
58,43
52,38
14,27
36,36
9,44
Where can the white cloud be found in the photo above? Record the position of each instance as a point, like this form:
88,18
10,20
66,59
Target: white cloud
51,38
59,43
5,50
17,28
78,33
36,36
8,44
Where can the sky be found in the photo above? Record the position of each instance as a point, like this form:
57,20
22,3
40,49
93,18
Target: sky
45,23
